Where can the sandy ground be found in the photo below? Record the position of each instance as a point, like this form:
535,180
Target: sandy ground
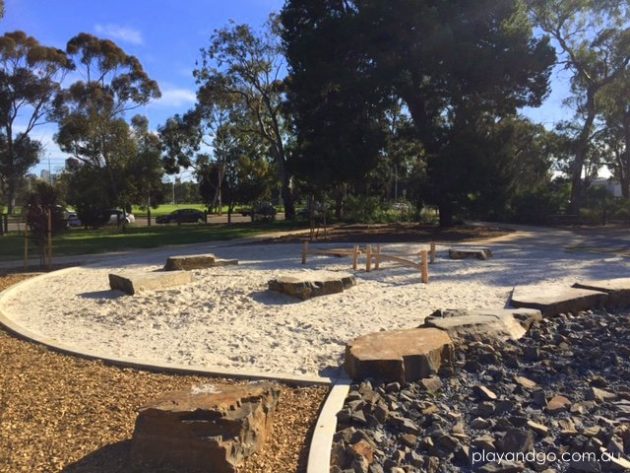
227,318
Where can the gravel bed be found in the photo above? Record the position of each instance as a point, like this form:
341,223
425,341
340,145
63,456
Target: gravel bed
557,400
64,414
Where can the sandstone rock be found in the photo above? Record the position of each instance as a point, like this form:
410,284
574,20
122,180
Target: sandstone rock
596,394
493,324
132,283
557,404
432,384
464,252
312,284
189,262
484,394
398,355
525,383
538,428
553,300
216,425
618,290
364,450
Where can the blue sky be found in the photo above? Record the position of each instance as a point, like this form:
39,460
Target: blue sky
166,36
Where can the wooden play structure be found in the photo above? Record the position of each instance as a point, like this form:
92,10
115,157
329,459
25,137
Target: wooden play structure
374,256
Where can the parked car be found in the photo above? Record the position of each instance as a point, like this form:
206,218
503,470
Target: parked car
183,216
73,220
117,216
261,212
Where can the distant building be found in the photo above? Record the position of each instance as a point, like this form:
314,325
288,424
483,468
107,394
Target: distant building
610,184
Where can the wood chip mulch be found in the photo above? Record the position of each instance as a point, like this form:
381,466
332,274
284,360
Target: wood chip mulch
64,414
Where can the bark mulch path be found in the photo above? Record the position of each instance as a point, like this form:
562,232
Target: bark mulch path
64,414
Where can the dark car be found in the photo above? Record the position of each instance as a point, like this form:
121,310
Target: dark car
183,216
261,212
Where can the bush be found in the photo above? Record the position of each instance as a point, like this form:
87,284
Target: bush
538,206
364,209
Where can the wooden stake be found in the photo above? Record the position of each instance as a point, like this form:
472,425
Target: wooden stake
368,258
424,265
49,239
25,246
432,252
377,265
355,257
304,251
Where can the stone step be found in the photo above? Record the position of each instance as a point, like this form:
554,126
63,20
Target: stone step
211,427
553,300
464,252
312,284
189,262
132,283
500,324
618,290
398,355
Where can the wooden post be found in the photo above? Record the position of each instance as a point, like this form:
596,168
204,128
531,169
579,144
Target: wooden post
432,252
25,246
49,255
304,251
377,265
355,257
424,266
368,258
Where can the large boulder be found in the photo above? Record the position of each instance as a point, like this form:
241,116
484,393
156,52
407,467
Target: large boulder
618,290
465,252
209,428
312,284
398,355
500,324
553,300
189,262
132,283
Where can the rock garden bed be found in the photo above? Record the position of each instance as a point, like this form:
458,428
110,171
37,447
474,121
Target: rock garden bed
560,394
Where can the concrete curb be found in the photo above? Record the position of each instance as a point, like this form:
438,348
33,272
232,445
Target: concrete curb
55,345
322,440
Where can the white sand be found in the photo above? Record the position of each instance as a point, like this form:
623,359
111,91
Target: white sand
227,318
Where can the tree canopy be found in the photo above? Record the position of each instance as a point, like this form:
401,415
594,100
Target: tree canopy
30,76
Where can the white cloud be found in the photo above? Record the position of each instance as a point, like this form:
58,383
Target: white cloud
176,97
121,33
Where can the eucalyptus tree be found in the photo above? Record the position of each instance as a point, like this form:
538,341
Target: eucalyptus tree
615,132
593,41
91,111
241,71
30,76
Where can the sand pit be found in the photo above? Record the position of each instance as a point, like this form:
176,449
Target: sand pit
227,318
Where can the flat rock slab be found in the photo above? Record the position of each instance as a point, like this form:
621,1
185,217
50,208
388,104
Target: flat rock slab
553,300
500,324
150,281
189,262
463,253
312,284
211,427
618,290
398,355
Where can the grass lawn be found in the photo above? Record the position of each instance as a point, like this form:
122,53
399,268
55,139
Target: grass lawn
165,209
79,241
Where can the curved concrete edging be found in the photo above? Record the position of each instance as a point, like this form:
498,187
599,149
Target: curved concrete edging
55,345
322,440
